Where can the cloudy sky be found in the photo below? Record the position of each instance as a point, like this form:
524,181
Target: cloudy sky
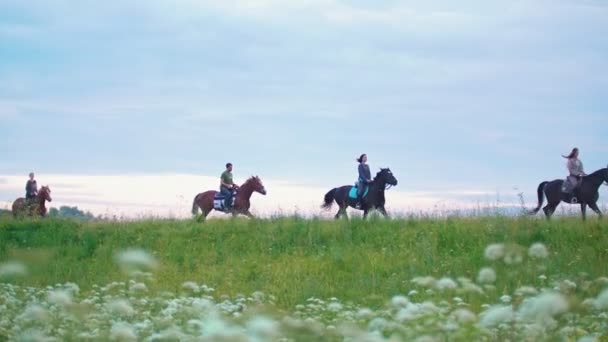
463,100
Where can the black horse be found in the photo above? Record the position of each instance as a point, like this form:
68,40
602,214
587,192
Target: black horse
374,199
586,195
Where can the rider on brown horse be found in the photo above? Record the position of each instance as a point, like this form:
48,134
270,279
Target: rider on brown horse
227,186
31,189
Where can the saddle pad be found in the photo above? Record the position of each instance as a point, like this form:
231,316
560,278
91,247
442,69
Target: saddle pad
353,192
218,203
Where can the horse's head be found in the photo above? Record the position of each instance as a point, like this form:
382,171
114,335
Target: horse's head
45,193
256,184
386,177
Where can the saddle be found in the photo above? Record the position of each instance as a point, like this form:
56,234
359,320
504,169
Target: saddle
570,188
352,193
222,202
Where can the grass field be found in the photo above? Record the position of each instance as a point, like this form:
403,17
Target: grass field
493,278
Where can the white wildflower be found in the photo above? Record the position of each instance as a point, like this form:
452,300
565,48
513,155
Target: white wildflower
506,299
538,251
494,251
120,307
365,313
464,316
263,328
486,276
122,332
35,313
335,307
496,315
138,287
446,284
424,281
60,297
543,307
399,302
526,291
136,259
191,286
11,269
601,302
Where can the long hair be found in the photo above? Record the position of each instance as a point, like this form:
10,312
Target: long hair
572,154
360,159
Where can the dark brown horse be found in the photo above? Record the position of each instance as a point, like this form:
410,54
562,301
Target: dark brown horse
23,207
205,199
586,195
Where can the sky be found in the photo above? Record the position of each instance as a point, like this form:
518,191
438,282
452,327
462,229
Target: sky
465,101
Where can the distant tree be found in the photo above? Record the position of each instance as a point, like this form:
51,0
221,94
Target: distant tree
71,212
4,212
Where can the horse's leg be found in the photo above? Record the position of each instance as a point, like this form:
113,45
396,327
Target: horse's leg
597,210
549,209
584,211
365,213
383,211
249,214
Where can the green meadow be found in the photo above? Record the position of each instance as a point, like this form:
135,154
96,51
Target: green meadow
360,264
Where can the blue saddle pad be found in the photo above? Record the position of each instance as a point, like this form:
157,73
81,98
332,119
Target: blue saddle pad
353,192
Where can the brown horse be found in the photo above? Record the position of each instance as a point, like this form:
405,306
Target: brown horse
204,200
37,206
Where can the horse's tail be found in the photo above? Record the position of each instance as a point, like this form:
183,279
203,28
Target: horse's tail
195,206
541,197
329,199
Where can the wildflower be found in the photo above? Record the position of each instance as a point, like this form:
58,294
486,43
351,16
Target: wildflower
495,251
191,286
120,307
136,259
399,302
538,251
496,315
601,302
506,299
60,297
464,316
122,332
543,307
486,276
263,328
12,269
446,284
424,281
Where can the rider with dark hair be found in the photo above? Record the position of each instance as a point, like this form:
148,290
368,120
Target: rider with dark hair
575,171
31,188
227,186
365,178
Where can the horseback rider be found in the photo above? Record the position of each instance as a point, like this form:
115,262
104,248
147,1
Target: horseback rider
575,170
227,186
31,189
365,178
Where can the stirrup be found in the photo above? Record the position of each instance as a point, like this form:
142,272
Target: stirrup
574,200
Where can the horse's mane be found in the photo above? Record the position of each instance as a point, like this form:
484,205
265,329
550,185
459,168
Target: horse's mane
596,173
252,179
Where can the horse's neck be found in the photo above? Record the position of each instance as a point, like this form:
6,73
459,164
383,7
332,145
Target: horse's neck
597,178
245,191
377,186
41,201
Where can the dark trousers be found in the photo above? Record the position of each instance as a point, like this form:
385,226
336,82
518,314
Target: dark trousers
228,193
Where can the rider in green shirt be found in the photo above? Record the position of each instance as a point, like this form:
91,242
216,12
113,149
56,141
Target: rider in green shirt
227,186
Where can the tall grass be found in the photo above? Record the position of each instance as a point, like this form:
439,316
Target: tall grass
294,259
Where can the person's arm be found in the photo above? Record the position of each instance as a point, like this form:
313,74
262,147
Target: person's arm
362,172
